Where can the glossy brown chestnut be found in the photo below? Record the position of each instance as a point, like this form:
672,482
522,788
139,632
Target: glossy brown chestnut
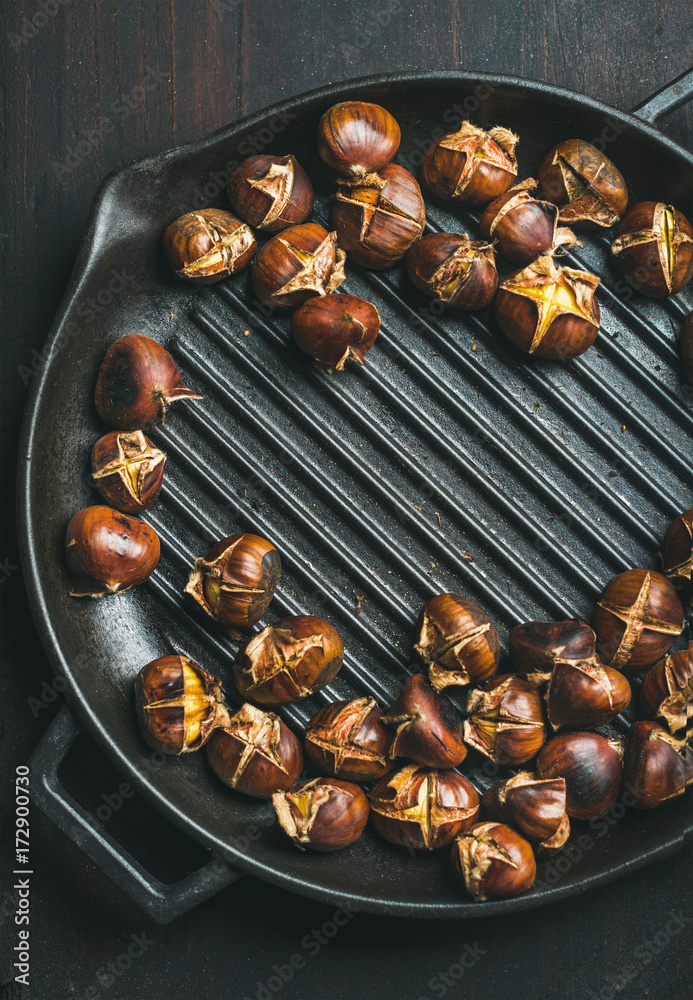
356,138
422,807
347,740
128,470
271,192
108,552
549,311
137,382
289,660
427,726
236,580
255,753
686,347
296,265
657,767
471,166
677,556
324,813
592,768
457,642
667,689
654,248
535,806
179,705
584,183
493,861
523,226
637,619
336,328
208,245
378,217
454,269
506,721
536,646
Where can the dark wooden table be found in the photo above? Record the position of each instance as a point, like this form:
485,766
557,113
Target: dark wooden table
86,87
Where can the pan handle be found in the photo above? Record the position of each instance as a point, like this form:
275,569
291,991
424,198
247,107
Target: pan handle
667,99
162,902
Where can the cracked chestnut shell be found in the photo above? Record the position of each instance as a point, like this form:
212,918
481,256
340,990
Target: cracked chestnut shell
686,347
378,217
287,661
549,311
271,192
667,689
654,248
493,861
128,470
355,138
325,814
208,245
522,225
347,740
235,582
255,753
423,807
506,721
657,767
427,726
454,269
457,642
677,555
138,380
535,806
592,768
178,704
297,264
637,619
471,166
108,552
336,328
584,183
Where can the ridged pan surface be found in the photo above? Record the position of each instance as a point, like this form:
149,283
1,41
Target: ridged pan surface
451,462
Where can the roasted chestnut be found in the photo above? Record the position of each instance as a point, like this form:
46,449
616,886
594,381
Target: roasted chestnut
535,806
581,693
637,619
295,265
179,705
457,642
493,861
108,552
592,768
137,382
271,192
523,226
289,660
686,347
471,165
677,555
128,470
423,807
208,245
347,740
255,753
236,580
549,311
584,183
356,138
506,722
335,329
657,766
378,217
454,269
323,813
667,689
427,726
654,248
